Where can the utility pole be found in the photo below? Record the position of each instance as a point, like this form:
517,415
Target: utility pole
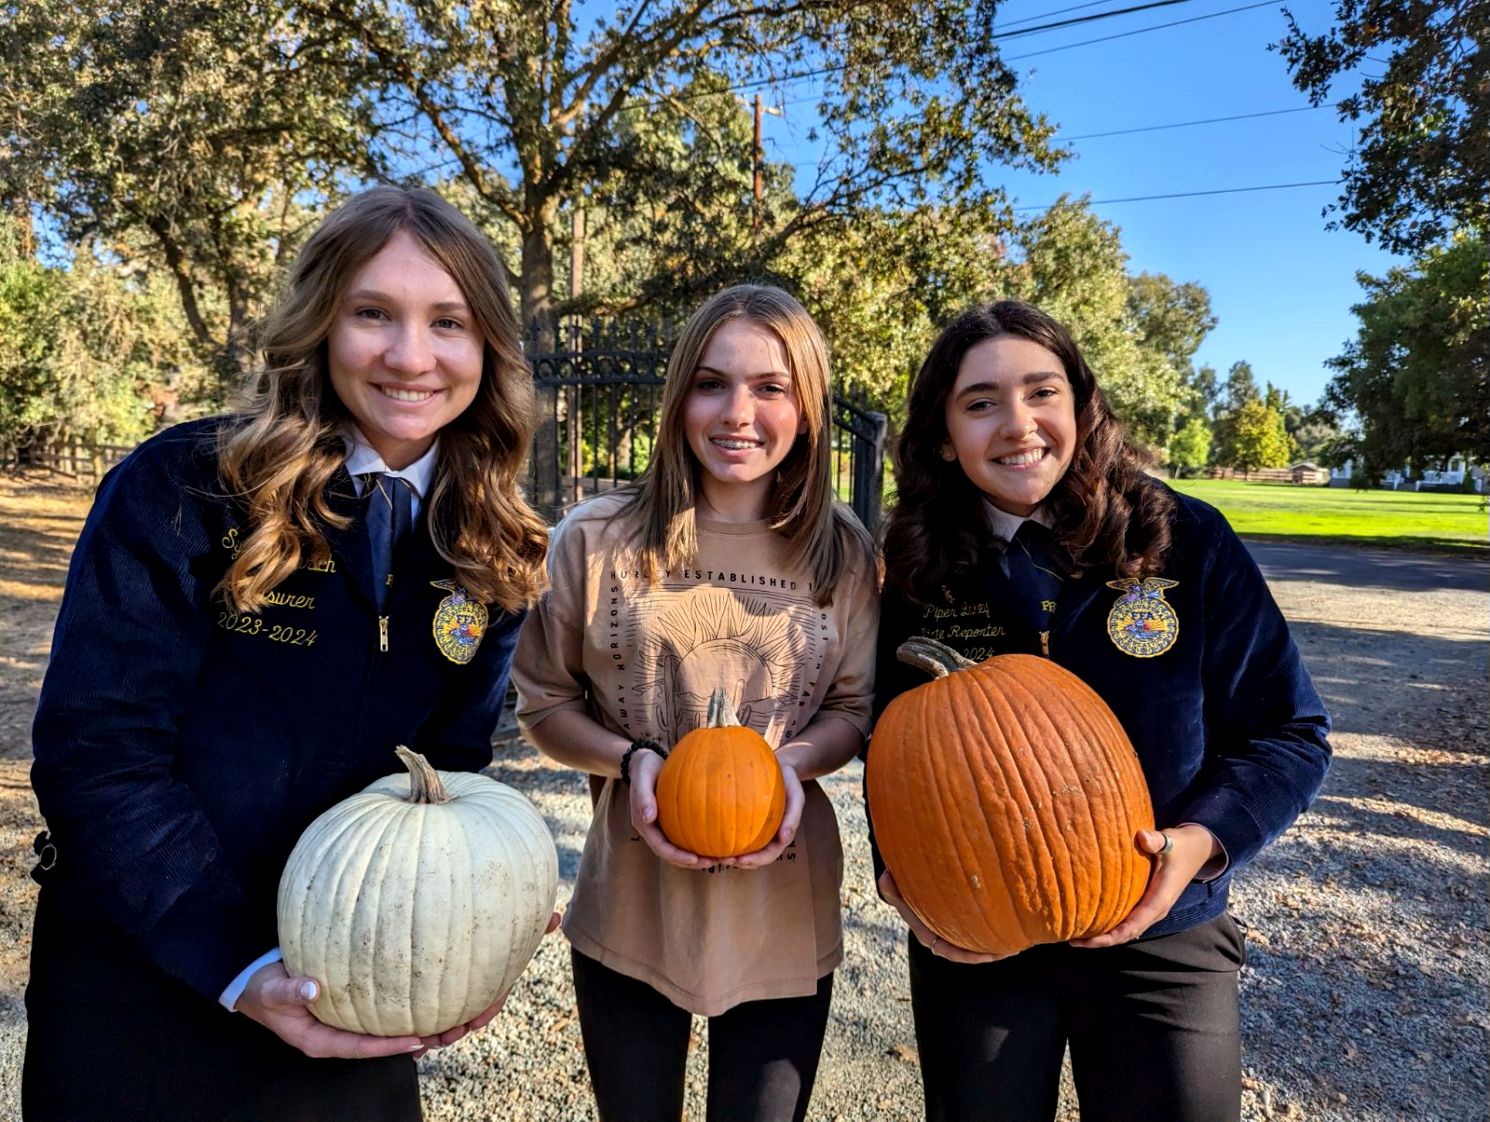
759,162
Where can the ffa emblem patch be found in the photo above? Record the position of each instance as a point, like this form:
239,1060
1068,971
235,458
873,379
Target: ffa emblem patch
1142,623
459,623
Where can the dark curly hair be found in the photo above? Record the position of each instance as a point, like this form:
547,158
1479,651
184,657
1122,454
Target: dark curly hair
1106,512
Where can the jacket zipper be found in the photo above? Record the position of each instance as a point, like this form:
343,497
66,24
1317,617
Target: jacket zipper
1044,644
382,633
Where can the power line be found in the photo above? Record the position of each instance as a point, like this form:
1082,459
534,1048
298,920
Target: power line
1057,12
1087,19
1143,30
741,87
1187,124
1180,195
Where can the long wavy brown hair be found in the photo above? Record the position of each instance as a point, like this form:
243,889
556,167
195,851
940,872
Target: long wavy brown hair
280,453
825,535
1106,513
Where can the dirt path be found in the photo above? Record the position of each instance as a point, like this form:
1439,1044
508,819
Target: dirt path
1364,999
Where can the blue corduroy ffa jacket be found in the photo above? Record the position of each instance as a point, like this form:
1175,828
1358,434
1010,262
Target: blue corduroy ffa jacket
182,748
1227,725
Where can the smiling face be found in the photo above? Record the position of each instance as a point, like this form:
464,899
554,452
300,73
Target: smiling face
1011,422
404,353
741,418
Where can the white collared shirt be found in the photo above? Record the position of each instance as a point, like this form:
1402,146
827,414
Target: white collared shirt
1005,525
362,458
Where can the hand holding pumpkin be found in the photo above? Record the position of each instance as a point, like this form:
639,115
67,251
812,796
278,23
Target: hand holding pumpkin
1194,847
924,935
644,769
278,1002
791,818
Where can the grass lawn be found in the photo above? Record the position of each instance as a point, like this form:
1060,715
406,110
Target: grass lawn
1396,519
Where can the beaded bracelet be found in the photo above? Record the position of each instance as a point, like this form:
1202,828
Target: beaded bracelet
637,746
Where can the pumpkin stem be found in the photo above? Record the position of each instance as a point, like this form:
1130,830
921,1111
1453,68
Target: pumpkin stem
424,781
937,659
721,711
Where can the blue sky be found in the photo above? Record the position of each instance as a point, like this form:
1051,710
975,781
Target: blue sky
1281,285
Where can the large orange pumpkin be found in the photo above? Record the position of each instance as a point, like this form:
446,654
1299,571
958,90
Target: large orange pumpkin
721,792
1005,797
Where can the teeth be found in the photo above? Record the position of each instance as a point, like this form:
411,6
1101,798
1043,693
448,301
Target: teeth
737,445
1023,458
406,395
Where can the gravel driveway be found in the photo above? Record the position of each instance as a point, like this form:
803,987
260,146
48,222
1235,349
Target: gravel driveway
1365,994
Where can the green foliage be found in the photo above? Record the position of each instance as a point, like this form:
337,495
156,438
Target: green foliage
631,110
196,139
81,350
1422,163
1190,447
1257,437
1414,380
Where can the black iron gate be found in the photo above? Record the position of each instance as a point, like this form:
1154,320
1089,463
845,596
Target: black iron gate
598,408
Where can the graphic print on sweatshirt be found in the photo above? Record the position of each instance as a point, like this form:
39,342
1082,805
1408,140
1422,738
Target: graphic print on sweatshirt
674,644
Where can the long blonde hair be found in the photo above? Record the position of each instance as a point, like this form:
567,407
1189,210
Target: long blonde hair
824,533
280,453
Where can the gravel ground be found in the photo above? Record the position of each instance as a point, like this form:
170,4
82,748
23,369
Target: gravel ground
1365,994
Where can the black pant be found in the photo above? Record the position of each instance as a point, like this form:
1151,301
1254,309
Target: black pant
1153,1028
763,1055
112,1038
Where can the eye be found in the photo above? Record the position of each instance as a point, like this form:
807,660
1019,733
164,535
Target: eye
370,313
1046,392
445,323
707,383
978,405
775,389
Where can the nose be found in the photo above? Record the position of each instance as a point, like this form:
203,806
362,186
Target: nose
409,351
738,409
1017,421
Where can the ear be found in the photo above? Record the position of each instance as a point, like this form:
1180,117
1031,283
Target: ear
948,452
802,426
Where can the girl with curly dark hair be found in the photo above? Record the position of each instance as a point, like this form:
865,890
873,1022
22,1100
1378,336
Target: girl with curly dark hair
1023,513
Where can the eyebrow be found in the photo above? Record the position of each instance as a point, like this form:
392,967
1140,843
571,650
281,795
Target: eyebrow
375,296
1028,379
702,369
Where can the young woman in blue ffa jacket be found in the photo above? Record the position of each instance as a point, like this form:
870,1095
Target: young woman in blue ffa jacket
259,609
1025,520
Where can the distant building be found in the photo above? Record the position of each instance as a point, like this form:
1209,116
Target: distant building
1451,479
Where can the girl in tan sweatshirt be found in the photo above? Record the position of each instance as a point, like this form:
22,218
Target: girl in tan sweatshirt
728,563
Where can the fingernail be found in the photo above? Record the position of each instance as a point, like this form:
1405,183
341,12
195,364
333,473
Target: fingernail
307,990
415,1047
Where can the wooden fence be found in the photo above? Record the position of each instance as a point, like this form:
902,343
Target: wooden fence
1312,476
76,461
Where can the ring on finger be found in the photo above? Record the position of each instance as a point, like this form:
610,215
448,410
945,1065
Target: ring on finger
935,939
1168,845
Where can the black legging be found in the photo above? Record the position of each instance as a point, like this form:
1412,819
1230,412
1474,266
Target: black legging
763,1055
1153,1028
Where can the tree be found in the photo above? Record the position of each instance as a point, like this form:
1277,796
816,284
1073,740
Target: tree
84,350
1241,385
535,107
1412,387
1190,447
1257,436
199,139
1423,159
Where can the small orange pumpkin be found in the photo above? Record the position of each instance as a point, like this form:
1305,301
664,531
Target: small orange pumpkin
1005,797
721,793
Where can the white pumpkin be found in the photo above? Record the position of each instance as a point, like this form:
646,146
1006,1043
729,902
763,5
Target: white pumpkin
417,902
